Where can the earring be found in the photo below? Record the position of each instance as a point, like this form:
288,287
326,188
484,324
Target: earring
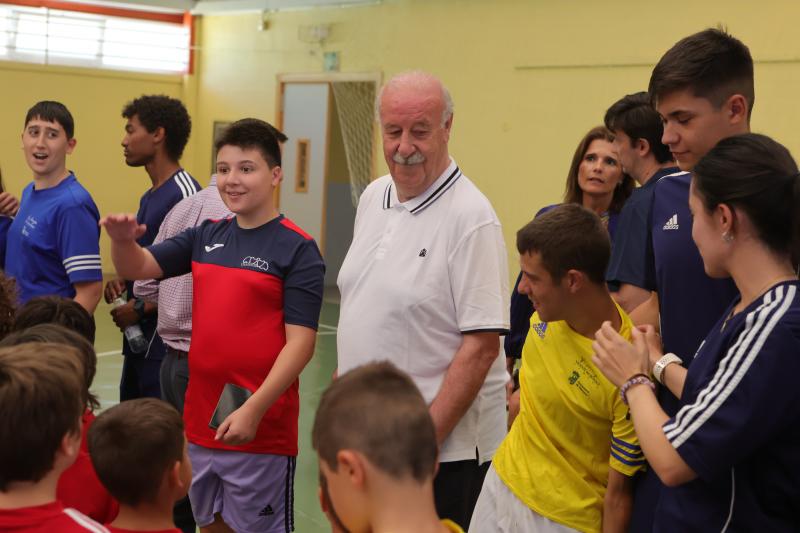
727,237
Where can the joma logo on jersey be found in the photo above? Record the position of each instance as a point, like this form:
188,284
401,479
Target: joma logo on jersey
255,262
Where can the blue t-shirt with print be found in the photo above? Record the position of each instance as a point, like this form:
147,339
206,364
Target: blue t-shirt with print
54,241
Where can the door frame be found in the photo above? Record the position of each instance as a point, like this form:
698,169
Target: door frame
322,77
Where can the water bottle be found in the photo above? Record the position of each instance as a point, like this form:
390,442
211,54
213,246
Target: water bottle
136,339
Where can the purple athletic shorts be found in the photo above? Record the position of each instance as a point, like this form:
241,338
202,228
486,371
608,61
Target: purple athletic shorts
253,492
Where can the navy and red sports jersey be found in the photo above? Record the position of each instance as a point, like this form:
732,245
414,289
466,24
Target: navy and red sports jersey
248,284
738,426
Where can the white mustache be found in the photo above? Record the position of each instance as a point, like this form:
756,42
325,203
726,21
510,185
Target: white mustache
414,159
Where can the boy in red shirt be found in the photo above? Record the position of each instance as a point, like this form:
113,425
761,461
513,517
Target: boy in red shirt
140,454
258,282
41,403
64,321
78,487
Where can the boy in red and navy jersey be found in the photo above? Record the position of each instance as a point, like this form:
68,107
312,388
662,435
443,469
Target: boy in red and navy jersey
258,282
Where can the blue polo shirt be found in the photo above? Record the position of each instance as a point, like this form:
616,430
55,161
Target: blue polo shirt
738,426
628,263
153,207
521,308
54,241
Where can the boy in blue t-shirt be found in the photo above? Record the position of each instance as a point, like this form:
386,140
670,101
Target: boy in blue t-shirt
53,244
156,133
257,295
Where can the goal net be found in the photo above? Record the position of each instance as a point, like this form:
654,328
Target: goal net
355,107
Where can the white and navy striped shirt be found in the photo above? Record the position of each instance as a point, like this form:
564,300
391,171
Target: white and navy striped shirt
418,276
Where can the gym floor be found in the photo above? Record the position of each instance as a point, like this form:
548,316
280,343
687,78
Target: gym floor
313,381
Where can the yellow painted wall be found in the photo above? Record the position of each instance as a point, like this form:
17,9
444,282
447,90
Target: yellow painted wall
529,77
95,98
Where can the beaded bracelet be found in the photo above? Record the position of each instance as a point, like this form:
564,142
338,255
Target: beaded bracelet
636,379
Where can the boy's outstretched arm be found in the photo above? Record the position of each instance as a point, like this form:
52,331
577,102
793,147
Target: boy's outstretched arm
131,260
241,425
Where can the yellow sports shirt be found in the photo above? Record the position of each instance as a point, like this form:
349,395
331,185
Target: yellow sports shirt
572,425
452,526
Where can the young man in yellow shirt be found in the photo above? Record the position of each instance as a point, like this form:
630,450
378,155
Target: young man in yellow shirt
567,461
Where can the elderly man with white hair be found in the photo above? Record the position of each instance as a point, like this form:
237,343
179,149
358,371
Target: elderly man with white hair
425,286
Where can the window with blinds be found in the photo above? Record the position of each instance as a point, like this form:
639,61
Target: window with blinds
54,37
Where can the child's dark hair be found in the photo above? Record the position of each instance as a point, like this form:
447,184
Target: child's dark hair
253,133
377,410
758,176
159,111
132,446
51,111
712,64
56,310
41,401
55,333
634,115
568,237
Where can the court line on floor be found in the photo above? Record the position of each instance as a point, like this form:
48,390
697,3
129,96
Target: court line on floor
311,518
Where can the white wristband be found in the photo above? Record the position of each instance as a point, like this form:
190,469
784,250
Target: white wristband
667,359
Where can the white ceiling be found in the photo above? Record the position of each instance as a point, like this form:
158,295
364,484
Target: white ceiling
202,7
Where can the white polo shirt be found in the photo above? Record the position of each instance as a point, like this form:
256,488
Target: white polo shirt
417,276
